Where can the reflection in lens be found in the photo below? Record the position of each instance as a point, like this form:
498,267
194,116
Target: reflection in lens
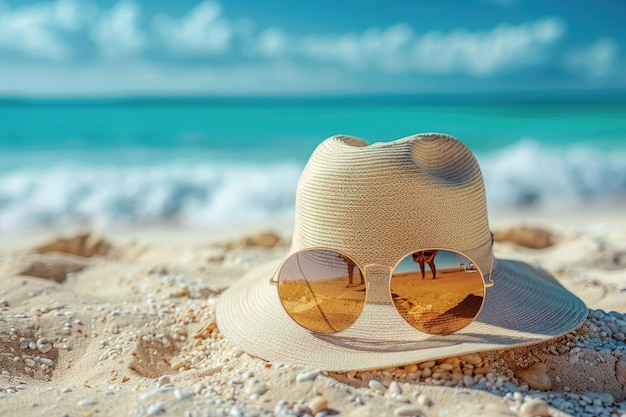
322,290
437,291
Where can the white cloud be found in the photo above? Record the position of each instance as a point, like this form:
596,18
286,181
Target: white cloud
202,31
37,30
203,52
485,53
596,60
398,48
117,33
272,42
374,47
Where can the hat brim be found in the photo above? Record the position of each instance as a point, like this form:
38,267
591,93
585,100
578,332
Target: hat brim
524,306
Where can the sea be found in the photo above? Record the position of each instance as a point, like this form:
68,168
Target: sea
217,161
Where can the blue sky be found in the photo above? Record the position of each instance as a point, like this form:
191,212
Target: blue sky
277,47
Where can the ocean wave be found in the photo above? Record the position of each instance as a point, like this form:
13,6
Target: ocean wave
244,193
171,193
529,173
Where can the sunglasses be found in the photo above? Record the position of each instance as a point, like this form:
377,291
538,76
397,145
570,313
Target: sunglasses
437,291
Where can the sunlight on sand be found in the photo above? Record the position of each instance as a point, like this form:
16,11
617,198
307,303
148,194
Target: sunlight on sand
442,305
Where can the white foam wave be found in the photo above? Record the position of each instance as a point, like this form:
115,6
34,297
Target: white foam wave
244,193
530,173
197,195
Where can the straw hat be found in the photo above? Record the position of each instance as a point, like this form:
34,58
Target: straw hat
377,203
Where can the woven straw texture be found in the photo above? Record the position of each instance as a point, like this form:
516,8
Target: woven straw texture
378,203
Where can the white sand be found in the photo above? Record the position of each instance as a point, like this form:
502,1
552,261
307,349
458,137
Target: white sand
144,314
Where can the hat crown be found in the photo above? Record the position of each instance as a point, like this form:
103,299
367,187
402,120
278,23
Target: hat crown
379,202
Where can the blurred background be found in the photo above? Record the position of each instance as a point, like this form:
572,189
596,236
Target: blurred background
203,113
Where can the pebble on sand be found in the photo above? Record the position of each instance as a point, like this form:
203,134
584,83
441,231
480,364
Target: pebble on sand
54,268
44,345
263,239
424,400
376,386
83,244
317,404
536,377
307,376
407,411
529,237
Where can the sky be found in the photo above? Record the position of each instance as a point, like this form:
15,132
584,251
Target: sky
110,48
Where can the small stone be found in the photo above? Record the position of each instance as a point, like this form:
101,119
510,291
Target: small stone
29,362
44,345
454,361
472,358
198,388
620,370
409,369
407,410
536,377
483,370
156,408
86,403
164,379
468,381
376,386
307,376
46,361
535,407
264,240
529,237
256,389
176,363
317,404
424,400
446,367
394,388
24,345
427,364
182,394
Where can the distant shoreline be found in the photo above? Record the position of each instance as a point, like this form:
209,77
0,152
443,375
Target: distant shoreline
393,99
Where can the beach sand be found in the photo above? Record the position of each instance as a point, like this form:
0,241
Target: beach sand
130,331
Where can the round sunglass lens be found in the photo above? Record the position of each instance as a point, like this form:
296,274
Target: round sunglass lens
322,290
437,291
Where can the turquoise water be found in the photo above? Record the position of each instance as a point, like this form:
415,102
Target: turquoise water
216,160
291,128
